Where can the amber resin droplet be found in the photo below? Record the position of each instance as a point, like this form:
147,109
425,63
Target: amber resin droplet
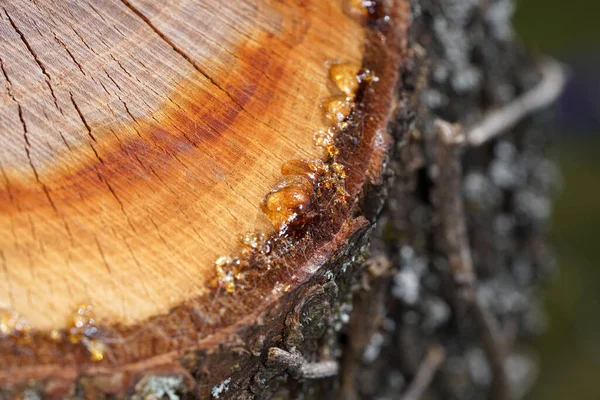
345,77
310,169
366,75
298,167
14,326
324,137
81,328
332,151
81,324
56,335
286,203
358,8
96,349
252,239
339,170
336,109
225,277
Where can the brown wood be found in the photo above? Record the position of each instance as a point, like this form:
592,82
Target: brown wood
140,139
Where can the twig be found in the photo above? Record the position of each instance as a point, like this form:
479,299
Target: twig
427,369
542,95
298,367
451,211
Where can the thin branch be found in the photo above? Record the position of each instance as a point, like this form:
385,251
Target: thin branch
456,241
451,209
431,363
298,367
542,95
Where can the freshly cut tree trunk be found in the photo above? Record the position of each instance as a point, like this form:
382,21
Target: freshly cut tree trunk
181,182
266,199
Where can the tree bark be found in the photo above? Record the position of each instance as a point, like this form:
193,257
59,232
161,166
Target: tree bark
261,200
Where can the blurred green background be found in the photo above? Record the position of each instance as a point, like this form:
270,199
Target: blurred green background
570,348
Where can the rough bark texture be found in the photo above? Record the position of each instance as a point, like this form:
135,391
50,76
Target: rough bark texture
471,63
387,297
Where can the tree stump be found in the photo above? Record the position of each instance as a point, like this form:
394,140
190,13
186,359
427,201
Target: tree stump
188,191
172,172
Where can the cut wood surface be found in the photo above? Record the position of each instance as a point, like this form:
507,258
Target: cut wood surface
140,139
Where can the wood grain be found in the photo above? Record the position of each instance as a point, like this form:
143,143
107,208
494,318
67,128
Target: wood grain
139,139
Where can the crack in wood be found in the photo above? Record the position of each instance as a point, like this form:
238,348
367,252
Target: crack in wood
35,57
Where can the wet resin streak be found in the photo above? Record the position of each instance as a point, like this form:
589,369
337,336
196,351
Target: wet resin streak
288,204
81,329
14,326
